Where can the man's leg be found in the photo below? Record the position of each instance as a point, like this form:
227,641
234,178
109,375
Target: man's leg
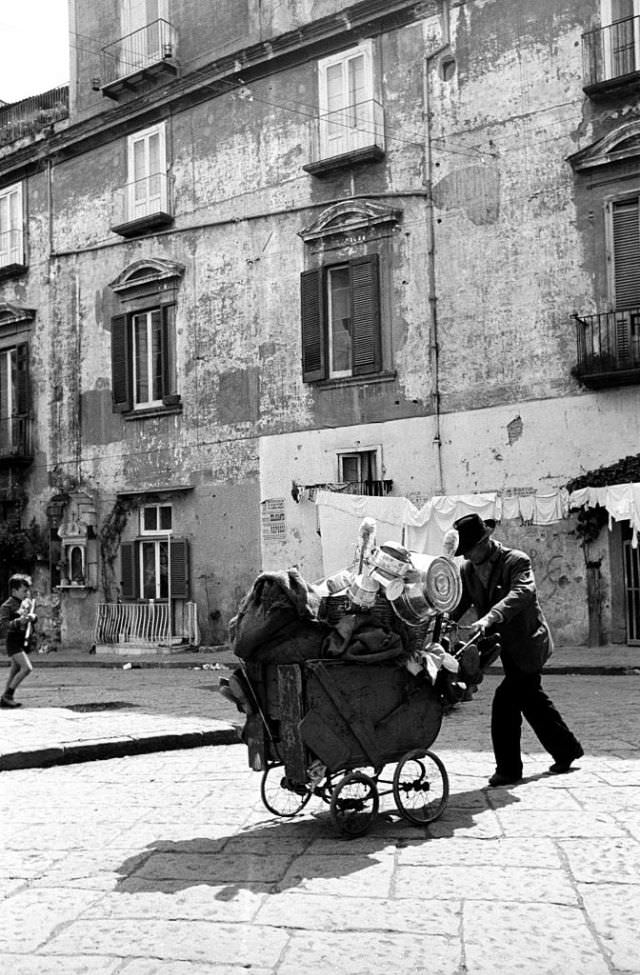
506,726
548,724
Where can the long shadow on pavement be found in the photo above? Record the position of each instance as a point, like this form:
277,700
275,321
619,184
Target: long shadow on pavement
280,854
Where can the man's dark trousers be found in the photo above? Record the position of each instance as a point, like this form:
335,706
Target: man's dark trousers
521,695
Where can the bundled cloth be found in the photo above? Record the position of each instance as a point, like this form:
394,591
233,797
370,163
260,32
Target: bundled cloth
277,620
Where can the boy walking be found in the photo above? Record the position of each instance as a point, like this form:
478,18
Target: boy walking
16,626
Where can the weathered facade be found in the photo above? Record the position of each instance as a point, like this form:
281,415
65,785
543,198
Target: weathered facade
278,245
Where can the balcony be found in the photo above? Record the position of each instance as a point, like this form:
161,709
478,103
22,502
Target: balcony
33,115
346,137
611,59
15,442
142,205
131,628
12,256
608,349
127,63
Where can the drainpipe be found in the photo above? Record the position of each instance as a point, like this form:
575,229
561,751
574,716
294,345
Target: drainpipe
434,345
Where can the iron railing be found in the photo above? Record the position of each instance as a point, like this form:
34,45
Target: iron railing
11,247
32,115
152,44
611,52
15,437
609,342
147,624
142,199
355,127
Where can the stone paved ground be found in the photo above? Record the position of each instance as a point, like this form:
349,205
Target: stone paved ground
168,863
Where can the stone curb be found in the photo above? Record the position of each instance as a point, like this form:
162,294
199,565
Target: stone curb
116,748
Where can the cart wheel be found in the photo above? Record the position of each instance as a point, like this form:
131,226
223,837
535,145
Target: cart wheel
420,787
280,795
354,804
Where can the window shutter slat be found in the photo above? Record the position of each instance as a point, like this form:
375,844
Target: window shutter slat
128,571
120,364
179,550
22,379
626,248
365,299
313,328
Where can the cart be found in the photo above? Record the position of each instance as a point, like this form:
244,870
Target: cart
348,733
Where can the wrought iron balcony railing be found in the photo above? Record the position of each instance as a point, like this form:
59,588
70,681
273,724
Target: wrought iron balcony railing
608,348
142,204
150,48
32,115
146,624
611,55
15,439
12,249
350,134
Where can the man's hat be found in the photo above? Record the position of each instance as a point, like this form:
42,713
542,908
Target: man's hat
471,530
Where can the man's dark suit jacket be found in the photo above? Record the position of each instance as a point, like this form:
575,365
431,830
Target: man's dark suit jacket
511,590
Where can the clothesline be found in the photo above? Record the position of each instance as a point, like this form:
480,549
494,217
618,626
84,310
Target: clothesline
421,529
622,502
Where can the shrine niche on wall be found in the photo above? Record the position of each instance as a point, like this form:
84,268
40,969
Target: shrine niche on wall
78,543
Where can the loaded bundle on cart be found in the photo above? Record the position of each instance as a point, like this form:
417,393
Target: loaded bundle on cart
342,679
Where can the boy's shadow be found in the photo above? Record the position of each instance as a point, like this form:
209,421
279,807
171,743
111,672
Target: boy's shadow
280,854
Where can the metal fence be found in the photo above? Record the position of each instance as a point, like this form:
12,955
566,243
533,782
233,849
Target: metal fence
31,115
608,342
146,624
134,52
611,51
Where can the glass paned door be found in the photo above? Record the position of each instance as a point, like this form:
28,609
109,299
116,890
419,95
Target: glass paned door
10,228
146,168
147,357
154,570
8,379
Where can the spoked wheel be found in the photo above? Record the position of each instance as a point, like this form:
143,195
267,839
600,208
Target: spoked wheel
354,804
420,787
281,796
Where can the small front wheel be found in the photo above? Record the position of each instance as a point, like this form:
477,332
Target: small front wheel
281,796
354,804
420,787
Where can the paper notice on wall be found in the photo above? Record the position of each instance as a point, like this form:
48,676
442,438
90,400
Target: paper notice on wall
274,525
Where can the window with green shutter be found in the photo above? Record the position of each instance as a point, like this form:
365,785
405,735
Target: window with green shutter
340,312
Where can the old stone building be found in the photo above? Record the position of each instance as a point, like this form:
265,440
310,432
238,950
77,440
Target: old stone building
274,257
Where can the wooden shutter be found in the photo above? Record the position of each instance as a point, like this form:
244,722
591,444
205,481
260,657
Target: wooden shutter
22,403
314,356
129,582
179,552
168,350
626,251
120,364
365,315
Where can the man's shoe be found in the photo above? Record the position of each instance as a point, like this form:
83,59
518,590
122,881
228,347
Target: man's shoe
8,702
498,779
564,764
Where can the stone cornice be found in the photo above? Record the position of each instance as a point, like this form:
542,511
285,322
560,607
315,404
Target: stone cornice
316,39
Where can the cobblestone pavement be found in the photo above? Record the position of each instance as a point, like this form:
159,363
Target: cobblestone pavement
169,863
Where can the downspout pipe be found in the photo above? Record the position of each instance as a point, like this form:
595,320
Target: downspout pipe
434,344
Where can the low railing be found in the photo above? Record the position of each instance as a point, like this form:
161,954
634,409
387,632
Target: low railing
611,52
11,247
152,44
349,129
142,200
147,624
609,342
15,437
32,115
